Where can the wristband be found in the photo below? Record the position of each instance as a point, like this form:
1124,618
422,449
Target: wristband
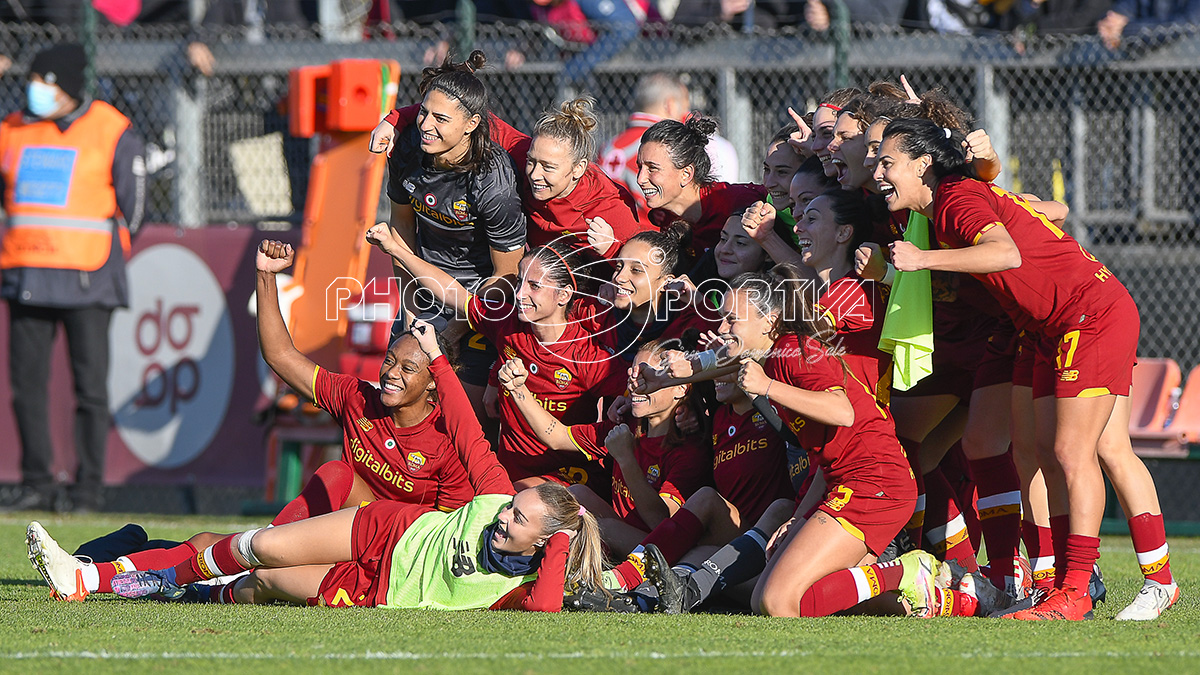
767,393
889,275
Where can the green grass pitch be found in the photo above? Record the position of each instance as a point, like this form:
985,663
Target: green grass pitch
110,635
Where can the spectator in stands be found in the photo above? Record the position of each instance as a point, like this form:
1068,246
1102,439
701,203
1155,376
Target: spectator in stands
659,96
1058,16
1132,16
74,190
743,14
877,13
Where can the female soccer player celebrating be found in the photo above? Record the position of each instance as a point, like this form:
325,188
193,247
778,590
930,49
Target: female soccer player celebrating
571,368
1048,284
504,549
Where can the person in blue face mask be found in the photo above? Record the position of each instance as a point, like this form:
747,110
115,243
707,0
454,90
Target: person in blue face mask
72,176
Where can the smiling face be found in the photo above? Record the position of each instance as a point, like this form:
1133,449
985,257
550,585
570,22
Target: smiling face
805,188
728,391
741,319
846,152
637,279
444,124
821,238
779,166
538,298
521,523
661,401
404,377
737,252
660,181
823,121
902,179
874,137
551,170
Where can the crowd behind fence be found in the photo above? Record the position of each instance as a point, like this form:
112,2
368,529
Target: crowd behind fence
1113,133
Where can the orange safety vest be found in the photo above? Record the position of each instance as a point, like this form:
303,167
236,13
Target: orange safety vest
58,190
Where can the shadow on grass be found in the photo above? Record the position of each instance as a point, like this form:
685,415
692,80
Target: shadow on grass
22,582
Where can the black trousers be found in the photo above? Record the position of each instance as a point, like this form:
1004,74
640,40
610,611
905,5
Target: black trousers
31,336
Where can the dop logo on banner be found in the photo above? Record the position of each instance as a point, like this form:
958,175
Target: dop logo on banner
172,358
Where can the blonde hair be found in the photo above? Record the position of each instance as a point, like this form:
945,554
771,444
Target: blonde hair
573,123
585,561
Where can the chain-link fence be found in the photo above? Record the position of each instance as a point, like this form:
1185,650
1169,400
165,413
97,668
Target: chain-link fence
1111,133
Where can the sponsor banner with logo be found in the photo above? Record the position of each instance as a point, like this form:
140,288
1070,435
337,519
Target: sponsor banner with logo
185,377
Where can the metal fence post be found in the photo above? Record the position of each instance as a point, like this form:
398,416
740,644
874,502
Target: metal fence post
88,38
994,117
189,150
464,32
1079,138
736,115
839,33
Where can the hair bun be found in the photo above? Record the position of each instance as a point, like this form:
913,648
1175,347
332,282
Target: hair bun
579,111
702,124
476,61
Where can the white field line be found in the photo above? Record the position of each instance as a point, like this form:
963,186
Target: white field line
462,656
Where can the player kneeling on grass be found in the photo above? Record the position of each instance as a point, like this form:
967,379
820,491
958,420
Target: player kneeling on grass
503,549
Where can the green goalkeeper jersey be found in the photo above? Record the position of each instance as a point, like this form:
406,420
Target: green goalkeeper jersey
436,562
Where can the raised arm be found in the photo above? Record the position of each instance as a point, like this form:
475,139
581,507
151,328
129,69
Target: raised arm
274,341
443,286
824,407
548,429
993,251
484,471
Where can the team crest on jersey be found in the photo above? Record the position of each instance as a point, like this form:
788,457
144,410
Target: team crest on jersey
652,473
461,210
758,420
510,353
415,461
363,424
562,377
408,185
430,199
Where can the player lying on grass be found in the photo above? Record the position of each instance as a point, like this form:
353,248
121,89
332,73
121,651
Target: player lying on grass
503,549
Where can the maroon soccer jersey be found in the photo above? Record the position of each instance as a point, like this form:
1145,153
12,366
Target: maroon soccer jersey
674,472
855,307
749,462
568,378
718,201
416,465
865,451
1057,284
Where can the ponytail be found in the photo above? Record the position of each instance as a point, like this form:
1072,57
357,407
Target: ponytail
585,559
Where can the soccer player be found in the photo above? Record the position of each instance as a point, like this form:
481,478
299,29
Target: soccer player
571,368
1047,283
656,465
504,549
563,192
675,175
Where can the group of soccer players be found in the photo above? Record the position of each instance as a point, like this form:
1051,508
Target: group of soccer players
700,390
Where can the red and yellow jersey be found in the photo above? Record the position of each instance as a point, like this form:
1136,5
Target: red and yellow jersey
568,378
674,472
865,451
1057,284
749,462
855,308
718,201
415,465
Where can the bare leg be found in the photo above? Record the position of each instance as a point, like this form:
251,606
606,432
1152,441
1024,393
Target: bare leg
313,541
987,432
1131,481
290,584
1076,438
620,536
821,546
916,416
942,438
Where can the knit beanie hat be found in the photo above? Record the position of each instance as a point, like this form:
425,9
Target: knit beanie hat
62,65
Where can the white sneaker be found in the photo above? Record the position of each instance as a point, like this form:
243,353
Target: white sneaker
1150,602
62,571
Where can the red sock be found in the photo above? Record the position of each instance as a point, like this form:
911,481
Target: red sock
1039,544
946,530
223,594
151,559
999,507
915,524
326,492
957,471
1082,553
844,589
215,561
674,536
956,603
1060,529
1150,543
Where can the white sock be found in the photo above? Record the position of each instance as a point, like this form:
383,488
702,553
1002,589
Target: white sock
246,548
91,577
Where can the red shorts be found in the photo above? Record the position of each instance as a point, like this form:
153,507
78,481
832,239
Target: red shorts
1027,346
363,581
873,519
959,346
996,367
557,466
1094,359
